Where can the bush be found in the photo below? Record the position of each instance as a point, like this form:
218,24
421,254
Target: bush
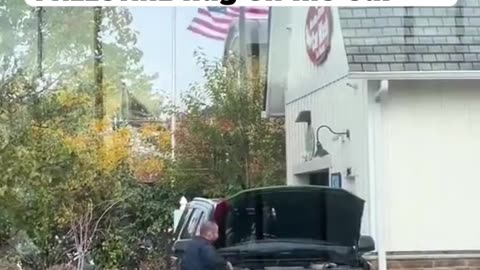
141,228
7,264
5,228
62,267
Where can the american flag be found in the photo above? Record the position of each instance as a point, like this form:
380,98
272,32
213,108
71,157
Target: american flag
215,22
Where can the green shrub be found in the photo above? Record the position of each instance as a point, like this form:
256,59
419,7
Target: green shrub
141,228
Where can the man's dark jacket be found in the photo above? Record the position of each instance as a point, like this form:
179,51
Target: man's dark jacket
201,255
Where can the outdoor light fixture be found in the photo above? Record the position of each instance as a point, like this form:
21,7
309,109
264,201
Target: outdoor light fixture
304,117
321,152
311,137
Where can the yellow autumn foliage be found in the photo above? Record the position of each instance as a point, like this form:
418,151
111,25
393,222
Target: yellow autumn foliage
164,140
100,126
157,135
64,216
79,143
110,148
149,130
70,99
111,91
147,169
150,166
39,132
114,150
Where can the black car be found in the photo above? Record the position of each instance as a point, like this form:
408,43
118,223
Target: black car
285,226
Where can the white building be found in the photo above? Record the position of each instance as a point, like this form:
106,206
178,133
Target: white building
405,83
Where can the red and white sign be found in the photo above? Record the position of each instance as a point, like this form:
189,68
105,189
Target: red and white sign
318,34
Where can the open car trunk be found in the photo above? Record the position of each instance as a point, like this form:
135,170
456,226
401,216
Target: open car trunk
290,226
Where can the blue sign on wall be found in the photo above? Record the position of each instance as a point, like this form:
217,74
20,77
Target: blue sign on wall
336,180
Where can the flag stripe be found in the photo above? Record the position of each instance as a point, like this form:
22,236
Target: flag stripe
217,19
215,23
257,10
250,12
205,33
214,26
218,28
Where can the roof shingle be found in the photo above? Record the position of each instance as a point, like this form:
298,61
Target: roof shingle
413,38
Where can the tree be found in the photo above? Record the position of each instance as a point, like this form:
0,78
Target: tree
51,172
68,49
65,172
223,142
61,167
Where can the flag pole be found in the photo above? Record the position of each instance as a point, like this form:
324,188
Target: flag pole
40,42
174,78
243,76
242,44
98,62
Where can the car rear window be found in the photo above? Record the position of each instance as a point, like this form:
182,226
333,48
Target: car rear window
308,216
270,221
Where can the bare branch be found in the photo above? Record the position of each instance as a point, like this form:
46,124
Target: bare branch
105,212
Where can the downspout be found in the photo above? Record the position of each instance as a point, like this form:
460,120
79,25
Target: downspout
379,173
382,91
371,131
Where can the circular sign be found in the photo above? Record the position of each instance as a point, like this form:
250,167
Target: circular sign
318,33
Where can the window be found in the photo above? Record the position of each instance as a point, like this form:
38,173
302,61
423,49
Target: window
276,215
191,228
184,220
320,178
203,218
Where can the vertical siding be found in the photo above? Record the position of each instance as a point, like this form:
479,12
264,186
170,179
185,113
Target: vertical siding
432,141
277,61
304,76
340,107
324,91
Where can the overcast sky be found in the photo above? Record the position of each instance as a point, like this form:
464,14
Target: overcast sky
155,40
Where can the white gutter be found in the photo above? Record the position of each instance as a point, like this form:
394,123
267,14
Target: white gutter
376,172
417,75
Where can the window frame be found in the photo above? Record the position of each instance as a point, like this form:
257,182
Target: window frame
184,220
202,216
190,227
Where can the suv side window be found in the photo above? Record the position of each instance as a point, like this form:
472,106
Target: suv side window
187,213
192,226
203,218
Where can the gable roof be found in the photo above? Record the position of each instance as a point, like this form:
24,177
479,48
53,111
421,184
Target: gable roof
412,38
